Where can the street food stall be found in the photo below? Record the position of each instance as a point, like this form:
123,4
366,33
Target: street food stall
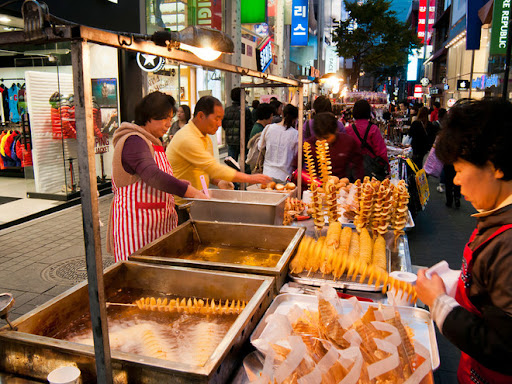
184,307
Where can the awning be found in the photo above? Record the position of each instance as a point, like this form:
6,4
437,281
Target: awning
439,52
445,17
485,13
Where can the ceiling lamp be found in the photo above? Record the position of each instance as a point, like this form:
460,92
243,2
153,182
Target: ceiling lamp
206,43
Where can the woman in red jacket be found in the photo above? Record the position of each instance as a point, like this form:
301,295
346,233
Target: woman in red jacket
475,138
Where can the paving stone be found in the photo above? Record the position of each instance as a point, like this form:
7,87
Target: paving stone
23,298
41,299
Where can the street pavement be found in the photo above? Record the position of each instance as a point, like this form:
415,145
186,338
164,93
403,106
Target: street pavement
44,257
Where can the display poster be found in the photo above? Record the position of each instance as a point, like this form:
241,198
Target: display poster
104,92
209,14
499,29
299,23
253,11
106,120
264,55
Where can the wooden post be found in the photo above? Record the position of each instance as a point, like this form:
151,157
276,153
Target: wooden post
90,215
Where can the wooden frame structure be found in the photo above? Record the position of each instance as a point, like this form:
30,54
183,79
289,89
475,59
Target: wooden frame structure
79,36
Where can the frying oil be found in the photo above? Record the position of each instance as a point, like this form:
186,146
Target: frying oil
234,255
178,337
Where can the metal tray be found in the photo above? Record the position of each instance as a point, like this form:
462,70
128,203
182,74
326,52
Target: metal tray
240,207
398,258
32,353
419,320
170,248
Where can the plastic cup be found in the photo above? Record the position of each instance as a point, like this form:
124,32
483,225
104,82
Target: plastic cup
64,375
398,297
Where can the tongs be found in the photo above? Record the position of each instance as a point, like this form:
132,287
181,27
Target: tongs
187,207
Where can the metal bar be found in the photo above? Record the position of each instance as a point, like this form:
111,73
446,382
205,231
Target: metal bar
242,135
113,40
299,149
90,216
264,85
507,62
471,73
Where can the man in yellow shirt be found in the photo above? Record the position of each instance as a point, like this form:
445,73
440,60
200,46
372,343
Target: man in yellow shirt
191,150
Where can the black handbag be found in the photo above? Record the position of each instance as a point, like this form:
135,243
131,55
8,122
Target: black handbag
374,166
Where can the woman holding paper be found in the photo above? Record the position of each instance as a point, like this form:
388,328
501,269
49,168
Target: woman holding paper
476,139
142,179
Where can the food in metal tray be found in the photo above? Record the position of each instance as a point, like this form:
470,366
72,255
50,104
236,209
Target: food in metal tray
210,306
318,213
329,345
293,207
369,265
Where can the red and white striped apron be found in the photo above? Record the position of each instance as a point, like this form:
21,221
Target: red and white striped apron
141,214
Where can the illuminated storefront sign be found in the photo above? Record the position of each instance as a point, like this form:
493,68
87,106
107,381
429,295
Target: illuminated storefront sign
463,85
264,55
150,63
299,23
485,82
209,14
418,91
499,30
422,19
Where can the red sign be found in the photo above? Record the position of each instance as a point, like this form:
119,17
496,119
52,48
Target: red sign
271,8
209,14
418,91
422,19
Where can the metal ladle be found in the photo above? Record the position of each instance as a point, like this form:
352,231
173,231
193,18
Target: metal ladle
6,303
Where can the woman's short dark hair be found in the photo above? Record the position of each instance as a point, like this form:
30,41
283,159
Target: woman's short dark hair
186,111
322,104
478,131
206,104
290,113
235,94
362,110
264,111
324,124
156,106
275,103
255,103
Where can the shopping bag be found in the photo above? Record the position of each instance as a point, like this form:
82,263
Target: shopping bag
433,166
421,183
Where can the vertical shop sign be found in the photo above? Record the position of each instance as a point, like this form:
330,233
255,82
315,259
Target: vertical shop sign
264,55
331,60
499,29
299,23
422,19
431,20
209,14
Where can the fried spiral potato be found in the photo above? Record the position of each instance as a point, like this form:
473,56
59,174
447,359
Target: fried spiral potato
333,234
309,160
323,159
191,305
317,255
331,201
318,213
401,209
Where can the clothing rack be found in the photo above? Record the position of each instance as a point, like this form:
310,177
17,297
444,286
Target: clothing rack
11,78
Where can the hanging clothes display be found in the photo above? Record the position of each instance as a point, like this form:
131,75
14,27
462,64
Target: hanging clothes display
22,103
14,116
5,103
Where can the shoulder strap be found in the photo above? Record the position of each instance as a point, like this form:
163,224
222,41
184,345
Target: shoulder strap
499,231
364,143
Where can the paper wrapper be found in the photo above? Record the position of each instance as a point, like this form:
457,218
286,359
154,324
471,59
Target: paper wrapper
315,357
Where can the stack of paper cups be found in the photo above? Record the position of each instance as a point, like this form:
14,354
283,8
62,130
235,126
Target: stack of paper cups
398,297
306,196
64,375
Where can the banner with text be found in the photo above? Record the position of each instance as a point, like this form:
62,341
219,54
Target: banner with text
499,30
299,23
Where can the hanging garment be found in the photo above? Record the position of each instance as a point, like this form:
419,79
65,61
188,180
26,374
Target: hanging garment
5,102
22,102
14,116
141,214
470,370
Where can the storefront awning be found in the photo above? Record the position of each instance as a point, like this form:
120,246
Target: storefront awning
485,13
445,17
439,53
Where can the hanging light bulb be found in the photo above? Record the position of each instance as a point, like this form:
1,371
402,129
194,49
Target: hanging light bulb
206,54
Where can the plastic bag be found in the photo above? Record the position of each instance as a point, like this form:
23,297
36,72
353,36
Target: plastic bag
433,166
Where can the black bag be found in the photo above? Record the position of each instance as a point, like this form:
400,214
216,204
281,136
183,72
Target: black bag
374,166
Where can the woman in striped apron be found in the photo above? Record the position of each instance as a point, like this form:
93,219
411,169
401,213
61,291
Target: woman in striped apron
142,179
476,139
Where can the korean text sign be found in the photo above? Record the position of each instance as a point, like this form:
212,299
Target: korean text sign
299,23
